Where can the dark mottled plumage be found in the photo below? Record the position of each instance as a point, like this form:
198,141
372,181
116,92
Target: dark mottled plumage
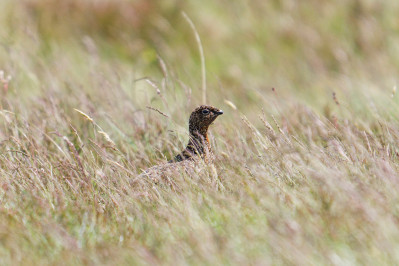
200,120
198,147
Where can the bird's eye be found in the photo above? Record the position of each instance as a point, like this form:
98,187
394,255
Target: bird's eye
205,111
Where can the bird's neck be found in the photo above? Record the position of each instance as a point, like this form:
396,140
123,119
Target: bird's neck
199,141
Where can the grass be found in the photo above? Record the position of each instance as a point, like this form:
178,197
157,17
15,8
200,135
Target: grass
307,172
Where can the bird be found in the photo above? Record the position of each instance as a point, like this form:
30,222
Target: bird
198,145
198,148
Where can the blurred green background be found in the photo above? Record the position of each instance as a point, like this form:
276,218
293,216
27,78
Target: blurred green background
305,49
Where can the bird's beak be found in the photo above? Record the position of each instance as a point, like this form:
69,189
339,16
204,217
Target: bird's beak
220,112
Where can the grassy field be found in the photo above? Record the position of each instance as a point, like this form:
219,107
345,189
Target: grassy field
307,168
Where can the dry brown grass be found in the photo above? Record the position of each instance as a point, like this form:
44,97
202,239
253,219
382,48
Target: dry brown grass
306,173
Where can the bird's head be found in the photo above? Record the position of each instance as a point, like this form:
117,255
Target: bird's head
202,117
